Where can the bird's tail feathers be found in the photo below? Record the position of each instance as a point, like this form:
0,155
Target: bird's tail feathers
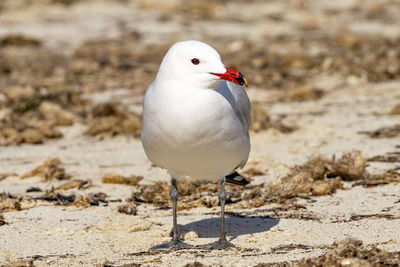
236,178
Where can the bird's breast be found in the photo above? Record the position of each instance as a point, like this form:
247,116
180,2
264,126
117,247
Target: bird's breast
194,125
187,117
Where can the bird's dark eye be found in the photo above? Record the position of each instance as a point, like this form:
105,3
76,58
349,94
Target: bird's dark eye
195,61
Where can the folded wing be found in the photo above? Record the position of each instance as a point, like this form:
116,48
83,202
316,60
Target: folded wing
237,97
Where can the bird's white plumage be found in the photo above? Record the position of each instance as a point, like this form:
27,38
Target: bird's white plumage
194,124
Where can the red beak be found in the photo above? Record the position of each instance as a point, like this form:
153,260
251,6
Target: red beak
232,76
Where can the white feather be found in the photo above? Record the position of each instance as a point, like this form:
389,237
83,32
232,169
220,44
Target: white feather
199,128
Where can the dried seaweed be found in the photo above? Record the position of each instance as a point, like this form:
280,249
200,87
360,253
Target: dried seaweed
2,220
384,132
110,119
32,114
305,93
272,68
192,194
15,130
352,252
387,177
7,174
283,249
113,178
348,252
357,217
389,157
260,120
395,110
18,40
55,114
76,183
320,176
317,177
91,199
9,202
49,170
129,209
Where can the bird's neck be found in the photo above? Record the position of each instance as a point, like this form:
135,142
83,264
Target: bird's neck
187,83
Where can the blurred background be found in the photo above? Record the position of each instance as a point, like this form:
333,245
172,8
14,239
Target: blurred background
323,76
60,58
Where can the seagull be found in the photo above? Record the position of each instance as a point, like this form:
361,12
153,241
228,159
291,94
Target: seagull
196,117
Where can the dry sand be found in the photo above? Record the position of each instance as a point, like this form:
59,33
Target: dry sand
60,235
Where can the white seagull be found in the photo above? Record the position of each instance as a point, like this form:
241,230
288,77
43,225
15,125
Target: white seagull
196,117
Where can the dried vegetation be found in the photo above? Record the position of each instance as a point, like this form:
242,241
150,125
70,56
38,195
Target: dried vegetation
348,252
395,110
261,120
41,97
378,60
322,176
111,119
2,220
114,178
49,170
16,202
384,132
41,90
316,177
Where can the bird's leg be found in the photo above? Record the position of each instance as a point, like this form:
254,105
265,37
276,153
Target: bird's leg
174,198
222,199
175,242
222,243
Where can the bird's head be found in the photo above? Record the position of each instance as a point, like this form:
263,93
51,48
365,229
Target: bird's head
198,65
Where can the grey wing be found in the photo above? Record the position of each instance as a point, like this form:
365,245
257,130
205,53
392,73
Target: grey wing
237,97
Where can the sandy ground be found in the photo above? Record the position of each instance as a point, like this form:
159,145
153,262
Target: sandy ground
58,235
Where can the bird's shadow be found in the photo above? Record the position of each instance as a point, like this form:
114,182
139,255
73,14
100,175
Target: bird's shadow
235,226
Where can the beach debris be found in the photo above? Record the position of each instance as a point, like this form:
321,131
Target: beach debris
33,189
53,113
260,120
114,178
390,176
129,208
384,132
76,183
305,93
18,40
318,176
110,119
2,220
4,175
81,200
9,202
395,110
352,252
390,157
49,170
